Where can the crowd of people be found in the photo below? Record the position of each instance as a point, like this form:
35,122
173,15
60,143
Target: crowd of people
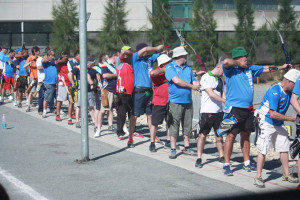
126,81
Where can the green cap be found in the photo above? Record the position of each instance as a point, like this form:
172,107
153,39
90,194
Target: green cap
125,48
238,52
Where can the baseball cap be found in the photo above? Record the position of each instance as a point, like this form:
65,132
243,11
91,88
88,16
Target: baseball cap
91,59
125,48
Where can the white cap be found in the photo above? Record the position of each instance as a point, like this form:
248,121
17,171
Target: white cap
162,59
179,51
292,75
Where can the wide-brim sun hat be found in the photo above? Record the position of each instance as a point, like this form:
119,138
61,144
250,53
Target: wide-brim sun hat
292,75
162,59
179,51
238,52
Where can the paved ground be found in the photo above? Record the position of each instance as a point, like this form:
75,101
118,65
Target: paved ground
37,161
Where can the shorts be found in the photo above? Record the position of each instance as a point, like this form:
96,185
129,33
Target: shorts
98,104
159,114
62,93
141,101
49,92
210,120
23,84
8,81
110,100
34,85
245,120
277,135
91,99
181,113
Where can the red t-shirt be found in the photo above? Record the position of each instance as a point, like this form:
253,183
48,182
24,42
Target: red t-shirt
160,92
63,72
125,82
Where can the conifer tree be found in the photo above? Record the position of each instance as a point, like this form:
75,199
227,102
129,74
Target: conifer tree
114,33
245,34
203,30
65,25
161,25
286,24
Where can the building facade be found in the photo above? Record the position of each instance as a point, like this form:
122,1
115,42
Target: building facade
29,21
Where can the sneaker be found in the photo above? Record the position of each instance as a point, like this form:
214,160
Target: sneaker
126,131
249,168
121,137
97,134
157,139
168,146
95,129
172,154
19,105
152,147
259,182
63,113
290,178
70,122
15,103
73,116
190,152
136,134
199,163
227,171
44,115
130,144
221,160
298,187
1,100
58,118
40,113
28,109
10,97
77,124
111,128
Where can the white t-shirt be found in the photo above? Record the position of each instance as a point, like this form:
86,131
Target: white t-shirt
209,105
40,72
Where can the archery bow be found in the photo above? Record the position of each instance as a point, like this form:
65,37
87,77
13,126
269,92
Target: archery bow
287,57
182,40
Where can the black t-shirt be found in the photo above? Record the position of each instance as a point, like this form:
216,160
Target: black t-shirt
112,83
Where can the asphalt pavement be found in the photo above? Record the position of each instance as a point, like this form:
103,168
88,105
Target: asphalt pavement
38,161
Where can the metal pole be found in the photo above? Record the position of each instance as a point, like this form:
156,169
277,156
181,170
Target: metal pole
22,33
83,82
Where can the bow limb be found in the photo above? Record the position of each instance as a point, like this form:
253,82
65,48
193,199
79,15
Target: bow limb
287,57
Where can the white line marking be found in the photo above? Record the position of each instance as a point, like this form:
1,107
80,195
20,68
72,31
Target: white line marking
20,185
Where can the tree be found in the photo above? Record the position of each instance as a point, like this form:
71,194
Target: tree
65,22
161,25
245,34
203,30
286,25
114,33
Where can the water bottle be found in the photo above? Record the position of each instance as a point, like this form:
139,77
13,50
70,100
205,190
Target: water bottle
3,121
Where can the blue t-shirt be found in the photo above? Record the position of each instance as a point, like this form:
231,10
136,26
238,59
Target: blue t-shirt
9,69
275,99
141,69
112,83
296,89
21,62
50,72
239,81
179,94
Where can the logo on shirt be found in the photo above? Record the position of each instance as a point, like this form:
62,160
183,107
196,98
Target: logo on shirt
275,93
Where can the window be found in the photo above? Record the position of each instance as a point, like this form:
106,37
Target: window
32,27
10,27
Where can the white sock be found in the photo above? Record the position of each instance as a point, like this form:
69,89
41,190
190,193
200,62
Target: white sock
45,111
225,164
247,162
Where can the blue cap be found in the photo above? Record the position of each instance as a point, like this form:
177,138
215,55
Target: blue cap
18,49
